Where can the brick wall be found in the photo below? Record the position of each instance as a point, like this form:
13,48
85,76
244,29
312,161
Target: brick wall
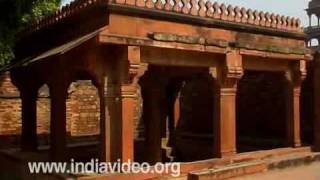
82,113
10,116
83,109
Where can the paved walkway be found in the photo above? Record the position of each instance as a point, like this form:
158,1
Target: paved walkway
311,172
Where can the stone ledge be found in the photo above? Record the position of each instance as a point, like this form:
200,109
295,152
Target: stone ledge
199,40
255,166
233,170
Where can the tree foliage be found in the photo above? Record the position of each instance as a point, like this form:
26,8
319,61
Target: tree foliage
16,15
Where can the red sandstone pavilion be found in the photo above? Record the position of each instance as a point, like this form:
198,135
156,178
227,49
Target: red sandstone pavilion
195,79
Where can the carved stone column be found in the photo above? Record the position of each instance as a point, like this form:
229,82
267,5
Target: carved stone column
295,77
58,95
121,100
227,77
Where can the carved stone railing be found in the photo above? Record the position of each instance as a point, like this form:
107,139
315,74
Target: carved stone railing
314,4
312,29
201,8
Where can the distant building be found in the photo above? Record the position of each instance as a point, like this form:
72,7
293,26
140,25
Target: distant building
313,30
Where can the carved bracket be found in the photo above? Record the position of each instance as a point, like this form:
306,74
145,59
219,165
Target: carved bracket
136,71
231,72
297,73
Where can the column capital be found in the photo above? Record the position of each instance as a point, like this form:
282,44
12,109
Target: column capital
136,71
230,72
136,68
130,66
129,87
297,73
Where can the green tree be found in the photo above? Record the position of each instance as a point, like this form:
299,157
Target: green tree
16,15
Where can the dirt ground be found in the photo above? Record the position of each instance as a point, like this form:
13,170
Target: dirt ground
310,172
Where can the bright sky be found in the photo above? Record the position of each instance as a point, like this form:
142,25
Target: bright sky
294,8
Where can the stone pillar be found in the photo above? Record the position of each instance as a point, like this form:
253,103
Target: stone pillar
227,77
120,97
310,19
294,77
58,95
105,132
29,119
316,85
118,125
128,109
28,83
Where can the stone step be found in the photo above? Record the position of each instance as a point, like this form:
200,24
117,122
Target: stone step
255,166
230,171
292,160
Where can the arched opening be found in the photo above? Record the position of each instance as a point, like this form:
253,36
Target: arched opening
261,111
314,20
314,42
183,103
83,120
10,116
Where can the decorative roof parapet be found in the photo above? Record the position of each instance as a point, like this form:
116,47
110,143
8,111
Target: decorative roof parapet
61,14
201,8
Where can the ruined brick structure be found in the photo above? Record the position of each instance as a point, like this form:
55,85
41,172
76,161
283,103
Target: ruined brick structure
154,77
82,113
